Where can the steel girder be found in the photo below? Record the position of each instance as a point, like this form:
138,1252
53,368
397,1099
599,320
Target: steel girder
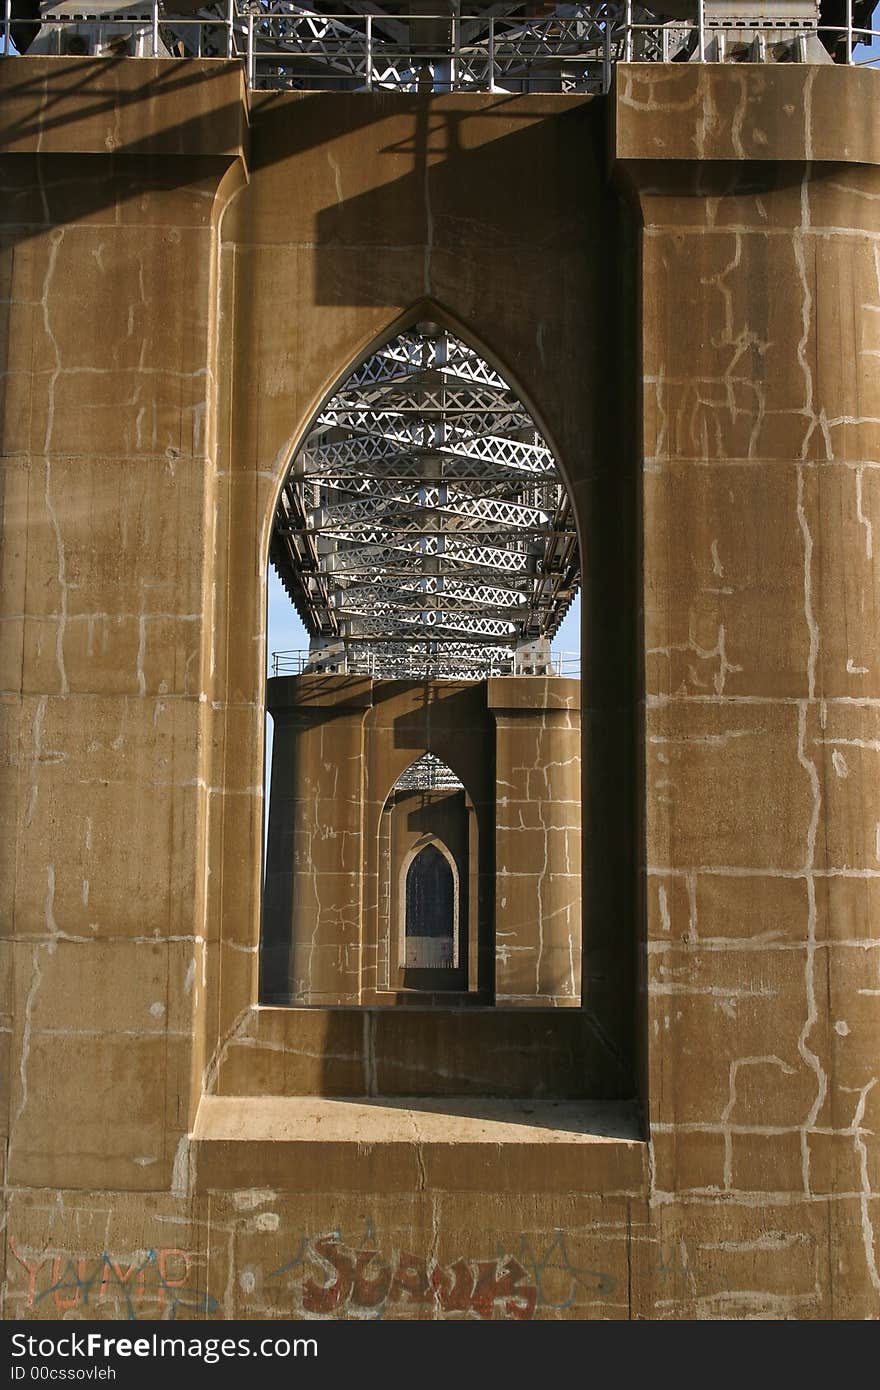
419,539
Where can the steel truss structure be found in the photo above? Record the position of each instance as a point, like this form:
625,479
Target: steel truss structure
360,45
427,773
424,529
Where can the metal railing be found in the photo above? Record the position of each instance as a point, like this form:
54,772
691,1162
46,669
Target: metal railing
301,661
286,46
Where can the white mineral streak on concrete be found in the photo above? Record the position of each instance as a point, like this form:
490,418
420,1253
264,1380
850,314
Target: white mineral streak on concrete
664,910
866,1194
856,701
51,924
228,1300
767,1240
726,1125
707,114
141,651
810,77
541,878
804,1049
739,115
691,880
24,1057
183,1168
39,716
249,1198
235,1033
864,520
719,652
662,425
39,164
287,1049
54,244
337,175
712,740
434,1252
871,744
809,616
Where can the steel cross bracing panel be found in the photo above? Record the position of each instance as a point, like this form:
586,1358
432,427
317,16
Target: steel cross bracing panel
427,773
424,528
363,45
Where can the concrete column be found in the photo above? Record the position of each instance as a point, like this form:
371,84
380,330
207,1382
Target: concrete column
537,841
312,909
761,332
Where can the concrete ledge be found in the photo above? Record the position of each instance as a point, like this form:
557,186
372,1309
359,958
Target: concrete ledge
746,111
534,693
399,1053
146,106
311,1144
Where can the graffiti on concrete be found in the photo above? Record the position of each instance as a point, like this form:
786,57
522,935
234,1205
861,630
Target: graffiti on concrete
335,1280
328,1278
160,1279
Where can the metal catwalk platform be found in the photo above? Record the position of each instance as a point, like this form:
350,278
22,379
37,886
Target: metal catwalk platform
435,47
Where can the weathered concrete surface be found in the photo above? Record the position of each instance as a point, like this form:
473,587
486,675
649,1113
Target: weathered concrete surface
761,333
169,326
340,745
538,841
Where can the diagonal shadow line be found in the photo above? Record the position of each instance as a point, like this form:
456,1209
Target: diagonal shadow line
49,88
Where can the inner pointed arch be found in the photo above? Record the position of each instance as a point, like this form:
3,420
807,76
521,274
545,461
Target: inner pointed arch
424,529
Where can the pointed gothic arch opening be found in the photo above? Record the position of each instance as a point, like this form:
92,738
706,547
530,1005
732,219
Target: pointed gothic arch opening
426,539
428,921
429,886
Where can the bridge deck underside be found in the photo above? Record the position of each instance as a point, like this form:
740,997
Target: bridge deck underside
424,528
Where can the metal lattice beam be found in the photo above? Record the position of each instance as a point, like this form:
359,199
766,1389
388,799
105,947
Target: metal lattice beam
427,773
424,528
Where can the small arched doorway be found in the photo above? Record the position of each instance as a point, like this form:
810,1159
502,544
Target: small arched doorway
428,894
430,925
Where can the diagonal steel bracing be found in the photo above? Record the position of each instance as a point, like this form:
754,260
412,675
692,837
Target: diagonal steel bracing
424,527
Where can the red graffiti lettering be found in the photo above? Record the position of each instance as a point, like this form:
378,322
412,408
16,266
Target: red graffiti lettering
76,1278
361,1279
325,1298
113,1279
167,1280
80,1281
454,1286
370,1293
500,1283
410,1279
32,1270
